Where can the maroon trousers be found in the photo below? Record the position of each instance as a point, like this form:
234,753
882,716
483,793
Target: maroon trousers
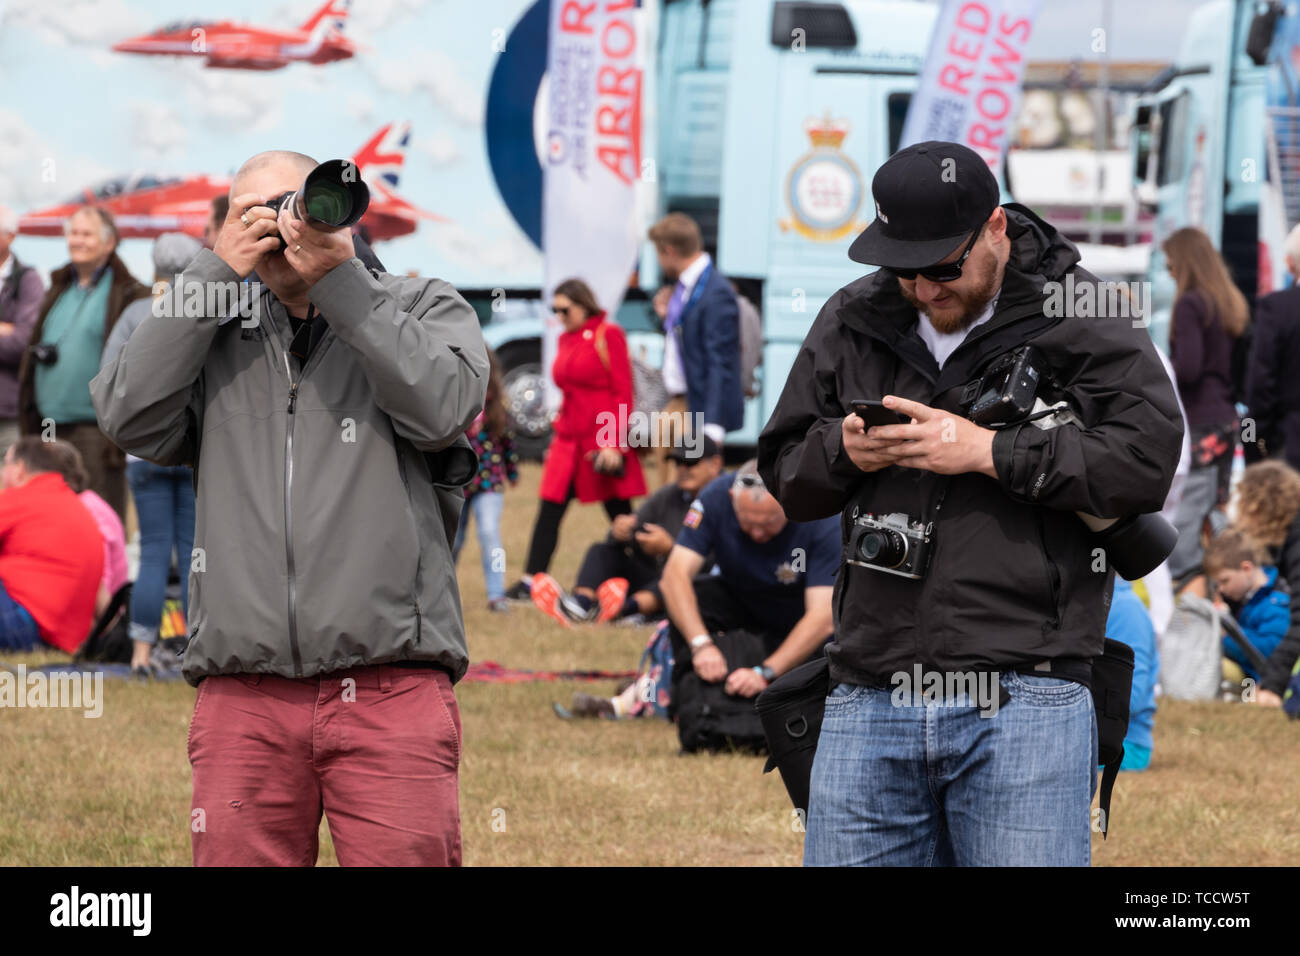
377,749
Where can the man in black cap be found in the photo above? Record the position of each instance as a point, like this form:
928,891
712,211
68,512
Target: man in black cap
965,565
619,577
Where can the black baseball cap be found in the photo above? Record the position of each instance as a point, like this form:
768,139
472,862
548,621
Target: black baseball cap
926,205
707,448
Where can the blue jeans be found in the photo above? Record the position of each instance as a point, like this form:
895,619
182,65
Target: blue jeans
486,507
164,501
18,629
939,785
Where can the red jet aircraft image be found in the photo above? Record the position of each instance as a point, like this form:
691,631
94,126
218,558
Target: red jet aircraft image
237,46
145,205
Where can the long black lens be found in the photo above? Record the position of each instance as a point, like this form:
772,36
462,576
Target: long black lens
333,195
328,202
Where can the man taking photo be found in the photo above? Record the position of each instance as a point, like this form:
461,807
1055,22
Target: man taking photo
997,575
326,627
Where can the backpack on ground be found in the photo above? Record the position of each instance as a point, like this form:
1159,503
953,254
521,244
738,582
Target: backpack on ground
710,719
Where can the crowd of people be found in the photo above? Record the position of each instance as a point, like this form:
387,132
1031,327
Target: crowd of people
705,553
53,341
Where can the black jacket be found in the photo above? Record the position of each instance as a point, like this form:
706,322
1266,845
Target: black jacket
1272,387
1011,580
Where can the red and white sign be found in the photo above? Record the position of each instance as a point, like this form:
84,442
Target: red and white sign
970,87
590,226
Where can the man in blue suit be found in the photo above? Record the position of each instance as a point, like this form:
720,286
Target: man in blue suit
701,328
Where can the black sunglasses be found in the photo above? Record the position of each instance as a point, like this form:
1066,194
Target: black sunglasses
943,271
561,309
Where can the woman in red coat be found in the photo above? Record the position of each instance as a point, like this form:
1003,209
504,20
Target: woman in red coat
586,458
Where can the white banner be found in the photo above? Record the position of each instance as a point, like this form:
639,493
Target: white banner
969,91
591,229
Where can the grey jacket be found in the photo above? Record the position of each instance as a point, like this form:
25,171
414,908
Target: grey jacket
321,539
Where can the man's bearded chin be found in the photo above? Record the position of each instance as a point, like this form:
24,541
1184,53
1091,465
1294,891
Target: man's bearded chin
972,303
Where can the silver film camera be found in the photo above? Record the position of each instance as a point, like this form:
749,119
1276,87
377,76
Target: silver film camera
892,543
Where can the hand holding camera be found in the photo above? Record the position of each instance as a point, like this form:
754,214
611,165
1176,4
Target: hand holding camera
242,246
654,540
313,252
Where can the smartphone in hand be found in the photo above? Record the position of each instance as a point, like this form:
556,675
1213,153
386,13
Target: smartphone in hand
873,412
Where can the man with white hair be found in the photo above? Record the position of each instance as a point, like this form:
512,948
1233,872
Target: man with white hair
86,298
1272,388
21,290
774,579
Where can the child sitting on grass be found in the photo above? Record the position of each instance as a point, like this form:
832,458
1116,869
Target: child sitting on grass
1236,563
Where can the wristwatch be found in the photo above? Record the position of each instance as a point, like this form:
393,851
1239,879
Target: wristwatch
765,672
698,641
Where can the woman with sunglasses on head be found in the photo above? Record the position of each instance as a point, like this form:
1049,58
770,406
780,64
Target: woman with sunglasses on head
594,375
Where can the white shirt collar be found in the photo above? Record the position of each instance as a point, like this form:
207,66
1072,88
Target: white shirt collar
6,267
691,274
943,344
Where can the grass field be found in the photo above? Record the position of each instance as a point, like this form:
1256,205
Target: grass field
536,790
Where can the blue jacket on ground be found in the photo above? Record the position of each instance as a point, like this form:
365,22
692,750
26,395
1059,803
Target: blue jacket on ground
1130,623
1265,618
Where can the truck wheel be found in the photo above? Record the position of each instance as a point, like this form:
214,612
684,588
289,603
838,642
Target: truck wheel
524,388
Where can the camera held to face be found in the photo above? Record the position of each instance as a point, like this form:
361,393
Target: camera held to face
331,197
892,543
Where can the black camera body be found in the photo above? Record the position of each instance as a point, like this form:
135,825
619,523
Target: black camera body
893,543
1007,389
46,353
1007,394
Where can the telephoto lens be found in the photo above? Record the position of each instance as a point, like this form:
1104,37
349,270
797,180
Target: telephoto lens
331,197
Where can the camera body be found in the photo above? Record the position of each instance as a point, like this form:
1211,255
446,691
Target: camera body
1007,393
893,543
1007,389
46,353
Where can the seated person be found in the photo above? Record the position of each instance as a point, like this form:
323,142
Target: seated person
51,553
773,578
632,557
1129,623
1237,564
110,527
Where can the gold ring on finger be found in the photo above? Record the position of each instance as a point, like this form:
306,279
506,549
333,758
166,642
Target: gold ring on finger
243,217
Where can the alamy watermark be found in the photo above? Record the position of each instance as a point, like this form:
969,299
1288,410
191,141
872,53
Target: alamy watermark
920,687
73,690
637,429
1102,299
194,299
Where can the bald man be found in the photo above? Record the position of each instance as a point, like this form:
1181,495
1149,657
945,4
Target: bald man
326,629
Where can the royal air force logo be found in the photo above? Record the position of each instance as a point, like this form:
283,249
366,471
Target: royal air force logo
824,187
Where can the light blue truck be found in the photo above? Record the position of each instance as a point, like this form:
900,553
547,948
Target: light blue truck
1216,143
770,118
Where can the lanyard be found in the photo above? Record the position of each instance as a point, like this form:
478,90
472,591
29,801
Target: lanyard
697,290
